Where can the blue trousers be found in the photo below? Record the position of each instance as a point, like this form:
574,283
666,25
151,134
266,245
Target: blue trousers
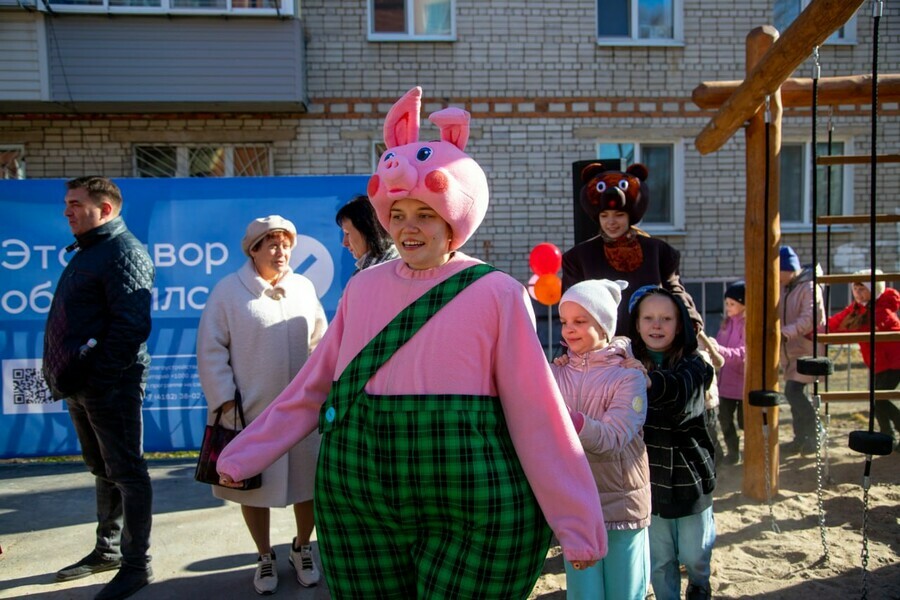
687,541
622,575
110,430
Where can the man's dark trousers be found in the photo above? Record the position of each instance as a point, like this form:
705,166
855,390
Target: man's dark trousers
110,430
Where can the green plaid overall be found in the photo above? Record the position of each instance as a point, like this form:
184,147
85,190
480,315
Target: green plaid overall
422,496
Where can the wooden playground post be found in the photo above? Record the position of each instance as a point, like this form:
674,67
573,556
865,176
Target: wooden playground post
770,60
761,279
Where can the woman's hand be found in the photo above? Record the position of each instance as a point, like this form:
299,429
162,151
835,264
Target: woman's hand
226,481
581,565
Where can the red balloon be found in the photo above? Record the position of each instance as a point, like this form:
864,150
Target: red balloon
548,289
545,259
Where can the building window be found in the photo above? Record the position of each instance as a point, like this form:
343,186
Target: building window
639,22
412,20
664,162
183,7
785,11
795,190
378,150
202,161
12,162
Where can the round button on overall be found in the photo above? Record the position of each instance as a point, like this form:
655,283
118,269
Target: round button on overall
329,414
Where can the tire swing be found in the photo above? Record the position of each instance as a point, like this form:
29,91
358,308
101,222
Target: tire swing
869,442
766,398
815,365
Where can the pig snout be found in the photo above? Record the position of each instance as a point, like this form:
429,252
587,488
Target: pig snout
398,176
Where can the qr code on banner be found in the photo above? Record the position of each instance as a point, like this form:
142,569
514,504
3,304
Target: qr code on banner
29,387
24,388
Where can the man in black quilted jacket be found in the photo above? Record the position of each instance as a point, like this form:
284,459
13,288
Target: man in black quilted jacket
95,356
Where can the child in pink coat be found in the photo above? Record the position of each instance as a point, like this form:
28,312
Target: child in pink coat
731,346
608,403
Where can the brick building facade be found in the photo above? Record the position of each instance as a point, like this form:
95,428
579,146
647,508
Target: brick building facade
543,93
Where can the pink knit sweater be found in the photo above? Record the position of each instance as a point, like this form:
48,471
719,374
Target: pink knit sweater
483,342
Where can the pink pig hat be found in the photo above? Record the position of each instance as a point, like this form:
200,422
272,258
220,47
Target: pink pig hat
437,172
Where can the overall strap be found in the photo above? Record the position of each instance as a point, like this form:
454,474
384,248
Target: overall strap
396,333
407,323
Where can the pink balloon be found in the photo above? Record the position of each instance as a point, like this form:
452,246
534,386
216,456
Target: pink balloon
545,259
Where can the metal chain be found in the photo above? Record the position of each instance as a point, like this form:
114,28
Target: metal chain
817,69
865,531
775,527
826,474
821,440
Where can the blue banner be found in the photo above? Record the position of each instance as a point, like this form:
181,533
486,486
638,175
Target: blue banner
192,229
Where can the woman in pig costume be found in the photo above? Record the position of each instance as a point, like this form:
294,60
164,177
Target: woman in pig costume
446,447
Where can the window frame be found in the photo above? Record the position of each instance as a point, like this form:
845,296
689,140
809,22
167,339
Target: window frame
286,9
409,35
20,150
847,188
632,39
676,225
182,157
848,39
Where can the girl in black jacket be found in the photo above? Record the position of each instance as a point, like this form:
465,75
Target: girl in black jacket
679,448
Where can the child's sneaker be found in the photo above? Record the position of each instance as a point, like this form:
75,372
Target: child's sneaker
302,559
266,578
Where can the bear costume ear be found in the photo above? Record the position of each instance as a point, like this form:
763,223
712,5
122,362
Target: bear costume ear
638,170
591,170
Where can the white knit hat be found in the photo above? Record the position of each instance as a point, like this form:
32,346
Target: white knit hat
600,298
880,286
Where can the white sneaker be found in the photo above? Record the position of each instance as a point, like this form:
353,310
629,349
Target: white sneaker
266,578
302,559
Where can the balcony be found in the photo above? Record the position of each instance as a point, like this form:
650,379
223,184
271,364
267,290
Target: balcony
77,62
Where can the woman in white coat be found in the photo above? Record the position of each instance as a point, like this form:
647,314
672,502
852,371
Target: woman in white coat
258,328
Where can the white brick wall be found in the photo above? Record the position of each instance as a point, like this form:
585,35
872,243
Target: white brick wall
535,80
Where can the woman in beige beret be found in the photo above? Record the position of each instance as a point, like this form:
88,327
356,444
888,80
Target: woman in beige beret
258,328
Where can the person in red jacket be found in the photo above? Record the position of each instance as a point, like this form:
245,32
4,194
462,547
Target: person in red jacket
855,317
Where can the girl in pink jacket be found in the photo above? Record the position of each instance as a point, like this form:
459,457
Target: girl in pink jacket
608,404
731,346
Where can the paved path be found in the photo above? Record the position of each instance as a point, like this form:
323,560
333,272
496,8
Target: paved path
201,548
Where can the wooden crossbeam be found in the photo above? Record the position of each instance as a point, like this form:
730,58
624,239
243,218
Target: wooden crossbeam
809,29
856,219
857,395
856,159
849,337
797,91
851,277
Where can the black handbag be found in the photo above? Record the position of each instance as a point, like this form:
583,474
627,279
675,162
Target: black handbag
215,438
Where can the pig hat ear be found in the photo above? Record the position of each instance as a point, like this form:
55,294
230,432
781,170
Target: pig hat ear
454,125
401,126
